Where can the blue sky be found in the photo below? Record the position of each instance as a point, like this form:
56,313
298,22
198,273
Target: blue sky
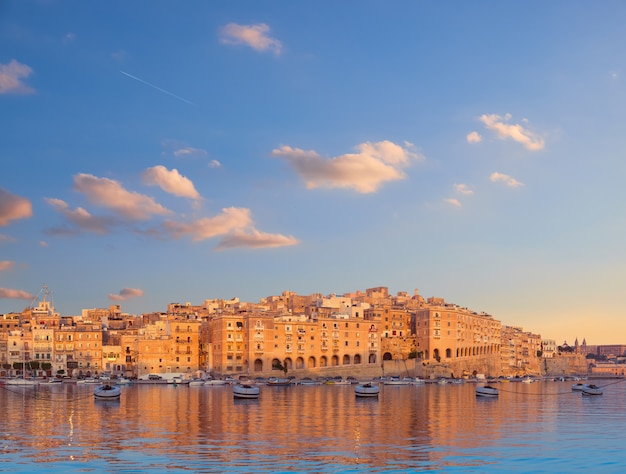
157,152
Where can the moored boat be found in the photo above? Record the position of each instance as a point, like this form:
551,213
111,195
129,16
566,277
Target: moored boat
215,382
277,381
367,390
245,391
577,387
21,382
107,392
591,390
196,383
487,391
397,381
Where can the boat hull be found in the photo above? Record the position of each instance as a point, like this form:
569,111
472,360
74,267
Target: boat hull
591,390
487,391
367,390
23,382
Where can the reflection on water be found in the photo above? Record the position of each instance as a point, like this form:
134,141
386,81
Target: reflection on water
530,428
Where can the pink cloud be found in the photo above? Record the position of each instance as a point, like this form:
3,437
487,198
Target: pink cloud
126,294
170,181
255,239
11,76
15,294
365,171
255,36
13,207
110,194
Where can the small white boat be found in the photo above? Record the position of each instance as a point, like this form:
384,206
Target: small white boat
246,391
196,383
338,381
107,392
123,381
367,390
486,391
442,381
397,381
308,381
591,390
577,387
418,381
277,381
527,380
215,382
21,382
53,381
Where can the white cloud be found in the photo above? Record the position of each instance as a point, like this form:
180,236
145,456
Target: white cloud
215,164
453,201
110,194
189,151
514,132
126,294
463,189
365,171
11,76
170,181
506,179
81,218
13,207
15,294
6,265
255,239
255,36
473,137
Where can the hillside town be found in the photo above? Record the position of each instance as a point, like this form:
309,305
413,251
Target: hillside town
366,334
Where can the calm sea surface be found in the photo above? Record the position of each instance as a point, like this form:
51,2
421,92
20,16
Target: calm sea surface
539,427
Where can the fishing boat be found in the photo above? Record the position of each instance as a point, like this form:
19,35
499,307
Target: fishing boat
241,390
591,390
367,389
486,391
107,392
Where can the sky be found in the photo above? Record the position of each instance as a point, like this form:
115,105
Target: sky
154,152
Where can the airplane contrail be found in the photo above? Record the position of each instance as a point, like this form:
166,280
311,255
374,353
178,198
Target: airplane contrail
159,89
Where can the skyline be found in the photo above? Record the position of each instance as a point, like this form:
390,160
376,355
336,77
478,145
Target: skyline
216,150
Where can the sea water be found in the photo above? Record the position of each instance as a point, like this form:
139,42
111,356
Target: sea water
538,427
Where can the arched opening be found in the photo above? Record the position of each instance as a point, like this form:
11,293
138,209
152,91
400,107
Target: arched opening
346,359
288,363
387,356
323,361
334,361
448,353
372,359
258,365
311,362
299,363
357,359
